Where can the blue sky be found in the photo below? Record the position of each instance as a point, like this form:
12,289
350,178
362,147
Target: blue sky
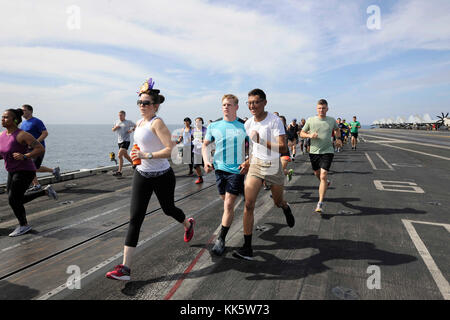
197,51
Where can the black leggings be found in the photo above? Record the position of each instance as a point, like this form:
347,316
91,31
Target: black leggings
142,190
18,183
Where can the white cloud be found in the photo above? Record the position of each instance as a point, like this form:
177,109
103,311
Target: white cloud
196,49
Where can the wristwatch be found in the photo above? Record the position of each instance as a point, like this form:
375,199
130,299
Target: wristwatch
150,156
25,157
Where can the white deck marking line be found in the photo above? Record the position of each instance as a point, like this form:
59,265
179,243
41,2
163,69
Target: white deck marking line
437,275
424,153
117,256
404,141
385,162
371,162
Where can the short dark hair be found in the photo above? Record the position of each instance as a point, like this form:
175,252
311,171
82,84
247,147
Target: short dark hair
29,108
322,102
200,119
257,92
123,112
17,113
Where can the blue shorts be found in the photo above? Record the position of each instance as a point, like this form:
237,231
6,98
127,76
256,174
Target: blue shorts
229,182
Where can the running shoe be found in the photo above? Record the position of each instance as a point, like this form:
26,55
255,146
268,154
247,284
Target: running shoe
189,233
319,207
290,220
199,180
219,247
120,272
51,192
290,173
20,230
117,174
57,174
34,188
244,253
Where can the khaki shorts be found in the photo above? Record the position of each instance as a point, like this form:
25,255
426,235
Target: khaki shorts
267,170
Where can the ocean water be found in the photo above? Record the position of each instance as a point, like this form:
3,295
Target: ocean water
74,147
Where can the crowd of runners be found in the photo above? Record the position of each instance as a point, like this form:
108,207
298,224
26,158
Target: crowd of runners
244,154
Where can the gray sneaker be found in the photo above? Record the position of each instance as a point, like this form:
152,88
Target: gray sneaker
51,192
20,230
219,247
57,174
34,188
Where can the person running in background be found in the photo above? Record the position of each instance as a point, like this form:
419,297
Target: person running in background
17,147
123,128
186,138
268,137
230,137
354,126
319,129
292,136
198,135
346,131
342,127
285,156
37,129
302,140
154,174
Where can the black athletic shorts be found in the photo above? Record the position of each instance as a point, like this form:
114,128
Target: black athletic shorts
229,182
293,138
124,145
355,134
321,161
38,161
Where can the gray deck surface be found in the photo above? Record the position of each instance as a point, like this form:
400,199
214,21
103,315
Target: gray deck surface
397,228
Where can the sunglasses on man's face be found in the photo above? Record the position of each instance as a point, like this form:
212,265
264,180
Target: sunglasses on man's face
144,102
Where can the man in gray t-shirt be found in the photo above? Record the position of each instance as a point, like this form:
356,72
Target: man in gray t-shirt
319,129
123,128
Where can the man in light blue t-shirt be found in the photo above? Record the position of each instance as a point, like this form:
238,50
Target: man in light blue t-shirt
229,161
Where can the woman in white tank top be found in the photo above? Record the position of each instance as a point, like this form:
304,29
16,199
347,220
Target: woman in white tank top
154,174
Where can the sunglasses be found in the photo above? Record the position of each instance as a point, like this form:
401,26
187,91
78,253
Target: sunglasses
144,102
249,103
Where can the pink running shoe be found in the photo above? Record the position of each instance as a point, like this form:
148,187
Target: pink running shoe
120,272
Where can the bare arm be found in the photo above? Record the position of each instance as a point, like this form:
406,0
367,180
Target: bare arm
163,133
43,135
26,138
206,156
304,134
278,146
